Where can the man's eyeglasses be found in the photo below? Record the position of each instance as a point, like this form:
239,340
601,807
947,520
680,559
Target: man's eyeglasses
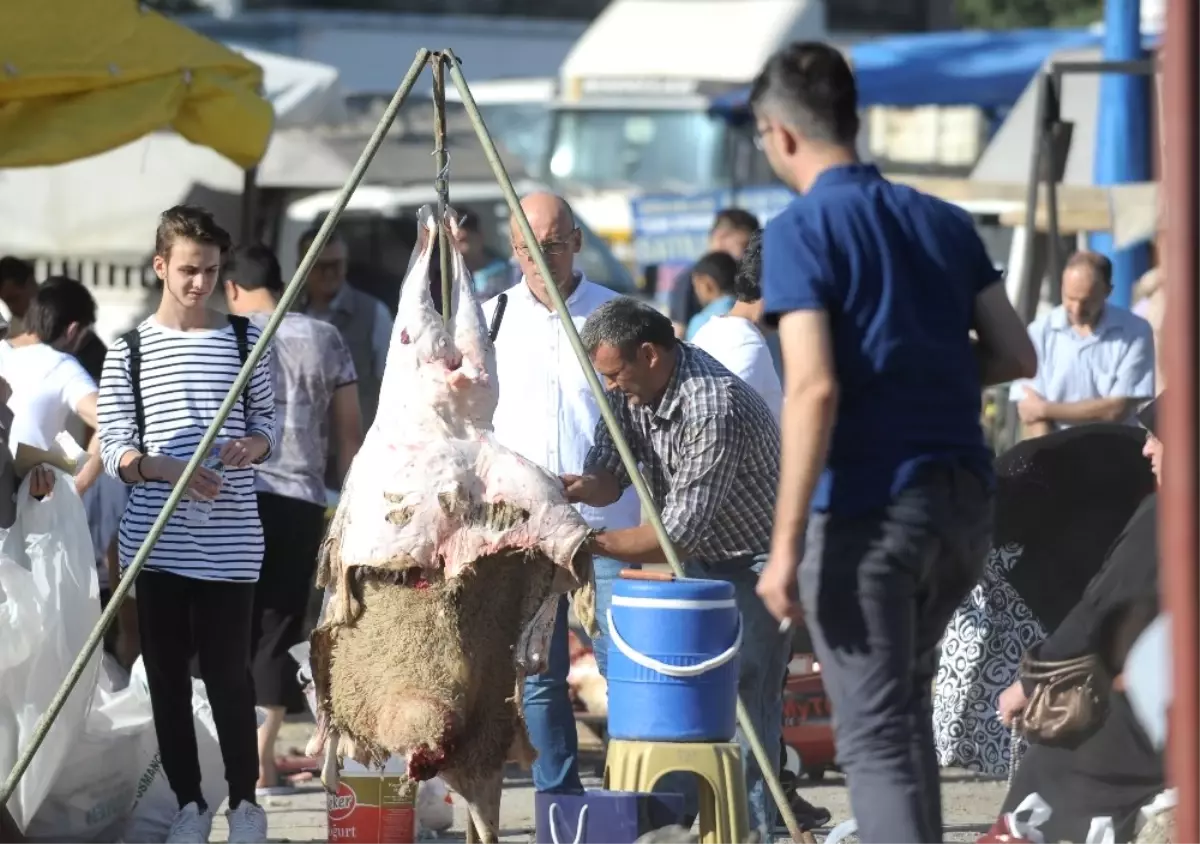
328,265
549,247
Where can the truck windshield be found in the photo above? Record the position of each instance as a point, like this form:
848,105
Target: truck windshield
521,128
652,150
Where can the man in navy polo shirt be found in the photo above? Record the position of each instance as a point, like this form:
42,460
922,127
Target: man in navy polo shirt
884,513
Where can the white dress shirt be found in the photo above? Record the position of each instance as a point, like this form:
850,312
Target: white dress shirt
741,348
547,413
1116,360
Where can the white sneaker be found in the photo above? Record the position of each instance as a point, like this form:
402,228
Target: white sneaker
191,826
247,824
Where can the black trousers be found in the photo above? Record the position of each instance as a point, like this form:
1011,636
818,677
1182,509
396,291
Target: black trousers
292,533
179,617
878,590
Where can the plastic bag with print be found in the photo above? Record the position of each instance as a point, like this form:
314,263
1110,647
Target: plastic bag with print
1019,826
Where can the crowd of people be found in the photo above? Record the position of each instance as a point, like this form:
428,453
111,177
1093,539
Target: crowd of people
807,417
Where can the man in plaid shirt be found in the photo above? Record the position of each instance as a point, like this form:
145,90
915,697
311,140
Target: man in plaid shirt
709,448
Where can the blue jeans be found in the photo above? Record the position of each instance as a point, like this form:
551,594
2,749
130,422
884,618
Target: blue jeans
764,658
607,571
549,717
878,590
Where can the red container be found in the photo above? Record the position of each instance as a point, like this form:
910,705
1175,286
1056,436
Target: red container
807,721
372,807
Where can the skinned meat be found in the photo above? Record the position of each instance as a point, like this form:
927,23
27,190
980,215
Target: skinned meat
443,565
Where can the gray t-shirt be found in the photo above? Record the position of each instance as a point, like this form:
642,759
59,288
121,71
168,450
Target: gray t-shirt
311,361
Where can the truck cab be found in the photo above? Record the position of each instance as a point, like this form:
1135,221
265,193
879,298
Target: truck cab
632,114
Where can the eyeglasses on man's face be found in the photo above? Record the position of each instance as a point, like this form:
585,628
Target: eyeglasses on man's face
549,247
326,266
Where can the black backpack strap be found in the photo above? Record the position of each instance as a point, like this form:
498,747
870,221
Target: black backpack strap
133,339
241,330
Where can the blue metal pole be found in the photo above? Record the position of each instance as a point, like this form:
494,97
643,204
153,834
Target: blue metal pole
1122,136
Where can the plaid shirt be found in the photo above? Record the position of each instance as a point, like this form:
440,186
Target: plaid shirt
710,453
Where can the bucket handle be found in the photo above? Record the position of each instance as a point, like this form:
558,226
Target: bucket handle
674,670
578,830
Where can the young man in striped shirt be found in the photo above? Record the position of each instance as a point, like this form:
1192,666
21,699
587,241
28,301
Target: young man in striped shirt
160,390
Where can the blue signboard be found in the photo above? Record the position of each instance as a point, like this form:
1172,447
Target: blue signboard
673,229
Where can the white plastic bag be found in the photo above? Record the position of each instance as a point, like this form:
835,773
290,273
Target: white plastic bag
435,807
49,603
91,797
1101,831
154,804
301,653
1030,828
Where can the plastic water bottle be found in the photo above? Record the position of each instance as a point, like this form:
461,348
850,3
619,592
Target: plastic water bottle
198,511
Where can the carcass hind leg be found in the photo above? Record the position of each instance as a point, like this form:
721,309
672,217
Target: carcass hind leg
329,770
483,803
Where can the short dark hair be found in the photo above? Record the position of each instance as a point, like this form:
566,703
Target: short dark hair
59,302
809,86
189,222
310,234
738,219
1100,265
253,266
625,324
748,284
15,270
720,267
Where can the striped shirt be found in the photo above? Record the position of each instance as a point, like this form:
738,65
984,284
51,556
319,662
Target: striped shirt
185,377
710,453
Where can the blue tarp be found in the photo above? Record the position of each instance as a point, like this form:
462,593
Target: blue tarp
985,69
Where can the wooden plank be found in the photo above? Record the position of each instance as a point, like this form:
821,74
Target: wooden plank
1070,220
1080,208
960,190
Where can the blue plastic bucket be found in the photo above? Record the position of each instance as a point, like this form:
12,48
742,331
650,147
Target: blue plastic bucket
673,660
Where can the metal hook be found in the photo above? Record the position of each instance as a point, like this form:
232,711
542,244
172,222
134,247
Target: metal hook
444,173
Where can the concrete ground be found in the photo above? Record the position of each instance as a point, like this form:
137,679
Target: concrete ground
969,802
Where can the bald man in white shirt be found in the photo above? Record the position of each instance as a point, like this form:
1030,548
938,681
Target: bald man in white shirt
547,414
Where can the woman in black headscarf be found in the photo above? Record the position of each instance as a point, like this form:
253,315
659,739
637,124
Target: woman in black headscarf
1061,501
1110,769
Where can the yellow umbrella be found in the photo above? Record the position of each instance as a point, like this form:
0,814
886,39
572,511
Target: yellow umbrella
79,77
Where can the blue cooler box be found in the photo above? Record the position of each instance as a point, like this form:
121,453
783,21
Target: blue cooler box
603,817
673,660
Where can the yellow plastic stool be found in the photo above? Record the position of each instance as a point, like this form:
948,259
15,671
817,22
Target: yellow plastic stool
724,815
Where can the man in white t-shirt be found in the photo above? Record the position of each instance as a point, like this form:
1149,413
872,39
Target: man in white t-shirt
736,340
48,383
